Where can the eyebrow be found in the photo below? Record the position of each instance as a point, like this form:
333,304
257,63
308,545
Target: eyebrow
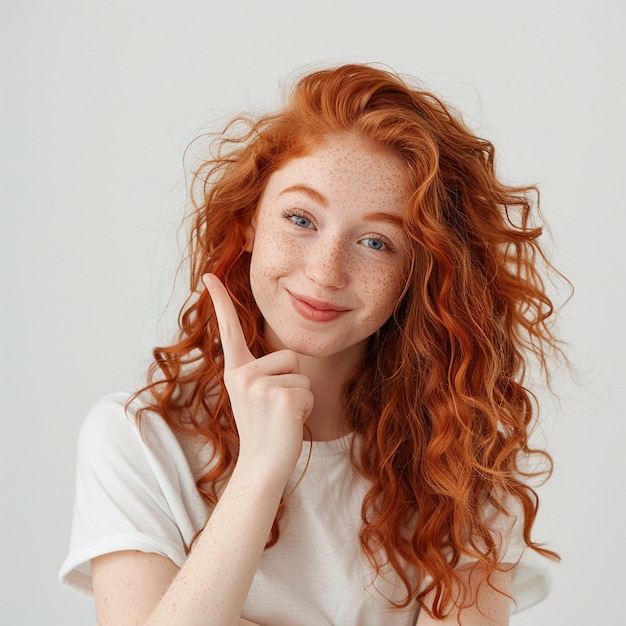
378,216
381,216
307,191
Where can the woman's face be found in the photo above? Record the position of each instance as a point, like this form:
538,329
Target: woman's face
329,248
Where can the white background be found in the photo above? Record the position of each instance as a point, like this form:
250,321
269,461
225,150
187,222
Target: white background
99,100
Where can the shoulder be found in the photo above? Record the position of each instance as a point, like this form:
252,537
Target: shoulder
110,426
109,416
122,433
130,465
119,431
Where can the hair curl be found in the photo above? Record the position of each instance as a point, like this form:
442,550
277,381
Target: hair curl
440,403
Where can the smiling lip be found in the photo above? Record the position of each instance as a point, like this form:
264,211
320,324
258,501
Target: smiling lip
316,310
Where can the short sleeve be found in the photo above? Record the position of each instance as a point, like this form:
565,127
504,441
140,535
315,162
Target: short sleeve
530,576
135,490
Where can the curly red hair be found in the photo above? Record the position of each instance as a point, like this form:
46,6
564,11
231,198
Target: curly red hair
440,404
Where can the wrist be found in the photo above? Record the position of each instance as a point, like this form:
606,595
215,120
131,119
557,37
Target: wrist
257,481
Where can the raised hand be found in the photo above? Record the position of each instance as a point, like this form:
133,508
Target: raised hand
270,398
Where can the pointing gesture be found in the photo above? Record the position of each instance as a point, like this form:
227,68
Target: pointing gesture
270,398
234,345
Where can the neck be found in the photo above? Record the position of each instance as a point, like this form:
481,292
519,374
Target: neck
328,377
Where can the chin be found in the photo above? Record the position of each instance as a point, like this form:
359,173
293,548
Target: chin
324,350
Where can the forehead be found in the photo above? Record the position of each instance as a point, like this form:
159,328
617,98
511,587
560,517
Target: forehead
346,165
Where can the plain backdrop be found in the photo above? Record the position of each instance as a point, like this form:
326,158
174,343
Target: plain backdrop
98,102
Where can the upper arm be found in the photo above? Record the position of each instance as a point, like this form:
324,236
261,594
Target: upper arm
128,585
492,605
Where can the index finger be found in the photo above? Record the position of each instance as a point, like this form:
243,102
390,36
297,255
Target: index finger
234,344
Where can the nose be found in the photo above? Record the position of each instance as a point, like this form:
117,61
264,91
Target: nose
328,264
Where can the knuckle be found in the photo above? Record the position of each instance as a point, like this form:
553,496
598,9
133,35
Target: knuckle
281,398
239,378
290,357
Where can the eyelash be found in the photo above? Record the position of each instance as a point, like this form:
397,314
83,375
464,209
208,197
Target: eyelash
289,215
294,213
388,246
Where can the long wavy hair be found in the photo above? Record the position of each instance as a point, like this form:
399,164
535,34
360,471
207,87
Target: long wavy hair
441,403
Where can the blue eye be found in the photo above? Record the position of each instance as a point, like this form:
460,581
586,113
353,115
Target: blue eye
374,244
300,220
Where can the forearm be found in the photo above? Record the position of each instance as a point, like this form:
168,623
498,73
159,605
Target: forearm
212,586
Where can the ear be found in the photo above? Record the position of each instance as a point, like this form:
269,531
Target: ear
250,232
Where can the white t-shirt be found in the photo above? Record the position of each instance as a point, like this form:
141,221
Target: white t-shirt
136,490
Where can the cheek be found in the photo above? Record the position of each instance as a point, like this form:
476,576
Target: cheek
271,256
380,292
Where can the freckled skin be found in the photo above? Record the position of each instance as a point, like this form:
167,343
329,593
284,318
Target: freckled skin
328,250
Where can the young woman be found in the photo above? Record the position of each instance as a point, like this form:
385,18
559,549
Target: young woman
340,433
